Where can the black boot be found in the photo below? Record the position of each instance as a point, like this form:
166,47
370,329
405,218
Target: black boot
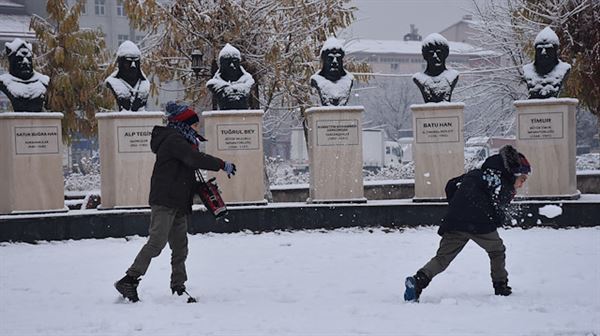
127,286
178,289
415,285
502,288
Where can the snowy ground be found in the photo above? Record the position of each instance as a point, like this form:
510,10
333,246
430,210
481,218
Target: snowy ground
346,282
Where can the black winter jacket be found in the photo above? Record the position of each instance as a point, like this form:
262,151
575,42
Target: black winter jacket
173,177
478,198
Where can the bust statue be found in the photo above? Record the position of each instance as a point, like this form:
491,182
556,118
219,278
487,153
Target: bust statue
544,77
231,84
436,82
24,87
128,83
332,82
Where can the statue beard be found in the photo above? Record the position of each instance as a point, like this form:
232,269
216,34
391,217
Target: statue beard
334,73
230,74
544,64
21,70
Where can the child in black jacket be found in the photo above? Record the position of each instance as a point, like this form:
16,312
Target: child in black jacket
477,202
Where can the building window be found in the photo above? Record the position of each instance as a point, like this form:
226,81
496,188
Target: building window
99,7
394,66
84,8
122,38
120,8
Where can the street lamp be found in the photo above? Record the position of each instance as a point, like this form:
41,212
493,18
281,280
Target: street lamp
197,66
197,62
201,71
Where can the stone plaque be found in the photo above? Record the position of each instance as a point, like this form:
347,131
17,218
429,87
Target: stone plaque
36,140
534,126
337,132
437,129
238,136
134,139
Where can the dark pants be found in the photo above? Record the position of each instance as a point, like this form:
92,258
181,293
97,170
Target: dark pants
166,225
454,241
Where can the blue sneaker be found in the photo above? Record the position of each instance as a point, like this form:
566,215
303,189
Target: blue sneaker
410,293
415,285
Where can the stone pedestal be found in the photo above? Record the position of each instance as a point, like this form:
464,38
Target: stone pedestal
126,160
546,136
438,150
236,136
31,176
335,154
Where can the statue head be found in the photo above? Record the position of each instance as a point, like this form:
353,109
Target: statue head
129,62
332,60
229,63
435,50
20,58
546,51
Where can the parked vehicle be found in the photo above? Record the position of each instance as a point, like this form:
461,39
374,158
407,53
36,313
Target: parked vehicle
393,154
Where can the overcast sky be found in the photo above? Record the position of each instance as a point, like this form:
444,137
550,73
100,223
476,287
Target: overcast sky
391,19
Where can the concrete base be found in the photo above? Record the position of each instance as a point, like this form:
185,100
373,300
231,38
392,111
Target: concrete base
236,136
290,216
335,154
438,148
546,136
126,161
31,178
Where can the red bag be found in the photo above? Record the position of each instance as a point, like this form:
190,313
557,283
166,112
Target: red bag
211,195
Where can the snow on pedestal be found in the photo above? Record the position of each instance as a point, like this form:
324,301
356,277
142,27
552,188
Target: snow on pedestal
438,149
335,154
236,136
31,177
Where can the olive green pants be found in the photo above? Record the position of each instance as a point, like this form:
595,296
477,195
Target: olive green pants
166,225
454,241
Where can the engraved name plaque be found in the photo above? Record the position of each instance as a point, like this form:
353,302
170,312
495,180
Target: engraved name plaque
539,126
337,132
437,130
134,139
238,137
36,140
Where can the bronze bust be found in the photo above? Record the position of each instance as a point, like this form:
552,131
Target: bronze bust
128,83
332,82
544,77
436,82
231,84
24,87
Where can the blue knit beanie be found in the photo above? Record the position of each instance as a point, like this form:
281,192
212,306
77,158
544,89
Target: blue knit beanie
181,112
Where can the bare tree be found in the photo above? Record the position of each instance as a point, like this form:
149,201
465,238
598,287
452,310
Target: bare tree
387,103
509,27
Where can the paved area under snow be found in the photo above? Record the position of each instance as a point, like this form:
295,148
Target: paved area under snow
345,282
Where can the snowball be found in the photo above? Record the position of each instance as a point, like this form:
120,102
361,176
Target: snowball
550,211
547,35
333,43
16,44
230,51
128,48
434,39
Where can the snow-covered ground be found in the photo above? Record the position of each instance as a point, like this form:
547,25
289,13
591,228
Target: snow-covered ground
345,282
